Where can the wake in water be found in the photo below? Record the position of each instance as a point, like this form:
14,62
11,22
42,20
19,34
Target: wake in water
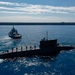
6,43
1,60
4,39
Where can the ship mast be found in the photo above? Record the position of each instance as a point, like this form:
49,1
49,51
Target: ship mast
46,35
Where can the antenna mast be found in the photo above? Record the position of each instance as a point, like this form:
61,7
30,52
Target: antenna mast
46,35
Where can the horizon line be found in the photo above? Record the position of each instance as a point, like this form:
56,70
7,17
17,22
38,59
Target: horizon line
37,23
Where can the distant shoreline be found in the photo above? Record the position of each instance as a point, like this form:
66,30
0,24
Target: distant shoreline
37,23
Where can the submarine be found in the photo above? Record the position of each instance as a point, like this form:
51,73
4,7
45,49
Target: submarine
46,48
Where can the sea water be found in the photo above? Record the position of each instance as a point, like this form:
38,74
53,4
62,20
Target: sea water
62,64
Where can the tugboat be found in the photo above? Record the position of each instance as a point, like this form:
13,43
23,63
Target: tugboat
14,34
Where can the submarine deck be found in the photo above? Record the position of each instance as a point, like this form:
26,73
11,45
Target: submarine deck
30,51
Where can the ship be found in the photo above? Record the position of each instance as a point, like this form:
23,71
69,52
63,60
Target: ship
14,34
46,48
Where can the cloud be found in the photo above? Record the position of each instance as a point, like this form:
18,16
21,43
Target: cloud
35,19
10,3
27,19
24,8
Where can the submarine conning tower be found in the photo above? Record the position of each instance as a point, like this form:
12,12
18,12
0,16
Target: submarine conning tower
48,44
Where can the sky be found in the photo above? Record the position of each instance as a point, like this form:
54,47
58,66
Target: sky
37,10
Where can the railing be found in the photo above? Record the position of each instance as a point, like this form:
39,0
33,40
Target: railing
20,49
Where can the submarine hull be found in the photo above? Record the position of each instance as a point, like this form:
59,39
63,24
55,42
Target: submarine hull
38,52
29,53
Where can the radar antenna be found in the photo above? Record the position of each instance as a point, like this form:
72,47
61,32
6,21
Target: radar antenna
46,35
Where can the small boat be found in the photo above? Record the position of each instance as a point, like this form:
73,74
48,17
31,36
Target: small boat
14,34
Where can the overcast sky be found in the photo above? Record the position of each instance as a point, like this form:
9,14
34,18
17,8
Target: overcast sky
37,11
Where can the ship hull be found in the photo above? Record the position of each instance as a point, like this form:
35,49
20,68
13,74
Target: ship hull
16,37
38,52
29,54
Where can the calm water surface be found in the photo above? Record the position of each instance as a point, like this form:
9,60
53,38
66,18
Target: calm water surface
62,64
